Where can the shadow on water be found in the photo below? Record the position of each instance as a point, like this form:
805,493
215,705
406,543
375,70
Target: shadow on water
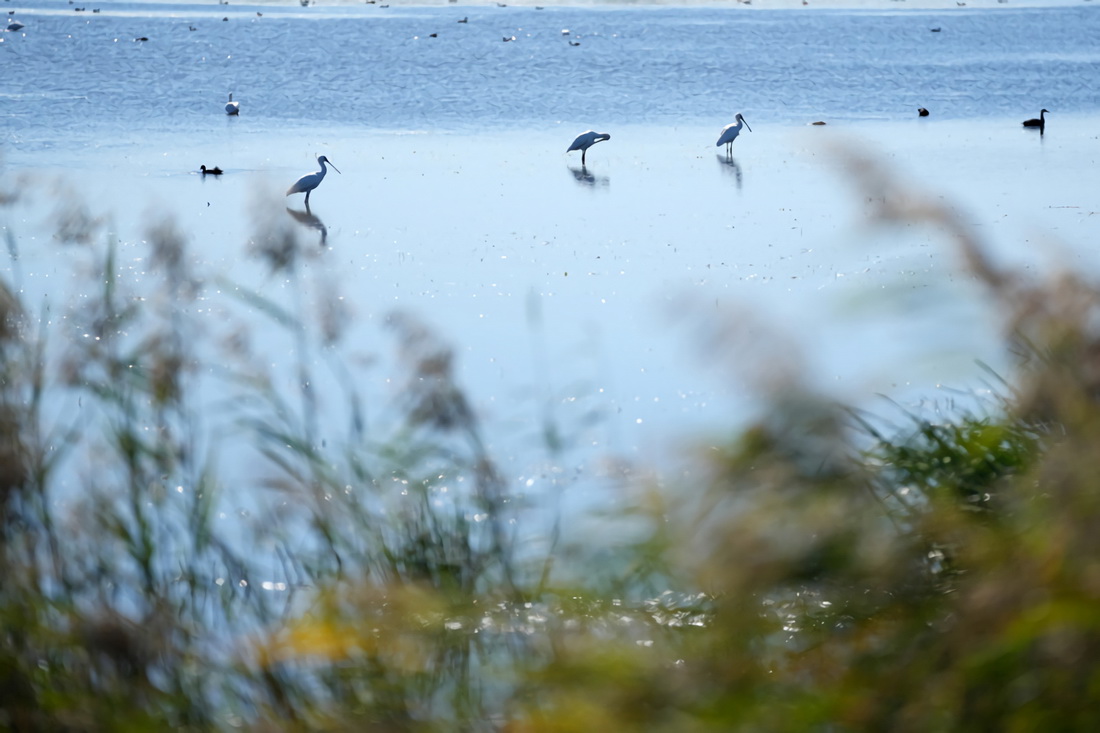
731,166
310,221
585,178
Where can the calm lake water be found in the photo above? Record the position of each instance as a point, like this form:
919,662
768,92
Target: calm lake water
586,294
81,77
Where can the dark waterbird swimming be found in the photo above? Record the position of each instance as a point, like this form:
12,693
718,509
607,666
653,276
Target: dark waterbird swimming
1040,121
215,171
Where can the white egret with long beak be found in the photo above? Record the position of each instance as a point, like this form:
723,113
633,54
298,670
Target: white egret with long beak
730,133
311,181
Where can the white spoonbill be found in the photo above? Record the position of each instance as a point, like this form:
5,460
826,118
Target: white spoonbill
311,181
231,107
586,140
730,133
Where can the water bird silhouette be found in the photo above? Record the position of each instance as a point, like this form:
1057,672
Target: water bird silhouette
310,181
232,108
922,112
1040,121
215,171
586,140
730,133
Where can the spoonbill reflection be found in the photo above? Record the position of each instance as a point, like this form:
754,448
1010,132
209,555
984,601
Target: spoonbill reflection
308,220
730,133
586,140
231,107
1040,121
731,166
311,181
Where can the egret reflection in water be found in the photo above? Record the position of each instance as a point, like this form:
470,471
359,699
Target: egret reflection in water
310,221
731,166
584,177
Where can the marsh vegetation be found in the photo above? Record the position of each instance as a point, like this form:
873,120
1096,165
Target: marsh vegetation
819,571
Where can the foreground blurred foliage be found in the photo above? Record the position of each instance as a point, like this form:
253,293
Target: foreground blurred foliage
825,574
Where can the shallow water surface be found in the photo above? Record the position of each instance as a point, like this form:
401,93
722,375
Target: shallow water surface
85,77
591,294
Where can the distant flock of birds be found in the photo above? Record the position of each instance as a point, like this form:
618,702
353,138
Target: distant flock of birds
307,183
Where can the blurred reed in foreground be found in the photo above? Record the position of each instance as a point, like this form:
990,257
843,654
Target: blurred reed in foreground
823,575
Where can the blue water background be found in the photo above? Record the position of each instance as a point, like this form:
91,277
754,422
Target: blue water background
81,77
604,301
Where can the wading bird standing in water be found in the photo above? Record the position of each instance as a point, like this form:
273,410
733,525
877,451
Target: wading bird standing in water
586,140
311,181
231,107
730,133
1040,121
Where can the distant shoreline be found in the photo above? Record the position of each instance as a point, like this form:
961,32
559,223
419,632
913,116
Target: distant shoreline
891,5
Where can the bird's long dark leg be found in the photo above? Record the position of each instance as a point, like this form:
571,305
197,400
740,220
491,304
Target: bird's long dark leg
583,153
307,197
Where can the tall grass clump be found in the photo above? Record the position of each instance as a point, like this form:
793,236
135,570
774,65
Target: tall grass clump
196,540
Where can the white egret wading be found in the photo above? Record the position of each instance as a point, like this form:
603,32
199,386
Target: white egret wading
307,183
231,107
730,133
586,140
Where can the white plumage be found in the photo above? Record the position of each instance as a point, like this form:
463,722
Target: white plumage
730,133
311,181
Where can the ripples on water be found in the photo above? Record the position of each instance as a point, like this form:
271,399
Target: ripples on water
380,68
